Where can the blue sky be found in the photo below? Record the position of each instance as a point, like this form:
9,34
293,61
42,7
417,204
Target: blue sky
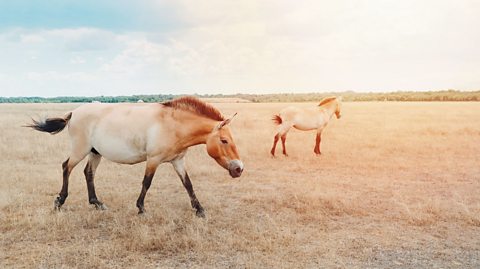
71,48
113,15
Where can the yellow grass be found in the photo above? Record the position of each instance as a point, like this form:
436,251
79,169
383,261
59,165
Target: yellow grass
397,185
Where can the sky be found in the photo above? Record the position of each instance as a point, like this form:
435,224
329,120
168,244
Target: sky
90,48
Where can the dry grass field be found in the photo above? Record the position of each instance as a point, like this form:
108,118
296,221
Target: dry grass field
397,186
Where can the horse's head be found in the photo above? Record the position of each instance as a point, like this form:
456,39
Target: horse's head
332,102
221,147
338,107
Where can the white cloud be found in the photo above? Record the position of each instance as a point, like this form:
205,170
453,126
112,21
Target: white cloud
359,45
226,46
136,57
31,38
77,60
83,39
57,76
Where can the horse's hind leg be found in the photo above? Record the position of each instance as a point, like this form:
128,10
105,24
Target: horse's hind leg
67,167
179,165
62,196
89,171
275,140
79,150
282,133
284,138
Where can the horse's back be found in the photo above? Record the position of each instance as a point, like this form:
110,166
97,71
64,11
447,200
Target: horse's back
103,108
292,113
289,113
129,114
120,132
301,118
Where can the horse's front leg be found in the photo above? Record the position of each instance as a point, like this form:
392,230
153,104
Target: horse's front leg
179,165
317,143
147,181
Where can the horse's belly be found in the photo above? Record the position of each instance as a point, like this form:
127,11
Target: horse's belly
120,151
305,125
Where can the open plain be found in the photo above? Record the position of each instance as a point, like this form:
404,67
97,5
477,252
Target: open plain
397,186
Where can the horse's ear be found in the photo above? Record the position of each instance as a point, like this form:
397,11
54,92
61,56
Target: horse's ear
225,122
326,100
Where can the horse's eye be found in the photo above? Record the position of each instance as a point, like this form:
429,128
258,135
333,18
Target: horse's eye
224,141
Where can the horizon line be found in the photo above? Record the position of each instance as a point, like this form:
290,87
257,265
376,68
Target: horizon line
260,93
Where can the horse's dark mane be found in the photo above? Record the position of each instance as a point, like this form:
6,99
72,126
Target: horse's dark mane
195,105
327,100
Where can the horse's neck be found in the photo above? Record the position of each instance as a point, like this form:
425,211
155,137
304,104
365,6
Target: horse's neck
330,109
194,130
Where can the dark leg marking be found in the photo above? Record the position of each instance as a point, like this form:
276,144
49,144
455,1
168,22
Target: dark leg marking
193,198
147,181
62,196
317,144
284,138
275,140
92,196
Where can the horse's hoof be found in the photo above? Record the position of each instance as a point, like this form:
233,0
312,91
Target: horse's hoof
200,214
101,206
98,205
56,204
141,211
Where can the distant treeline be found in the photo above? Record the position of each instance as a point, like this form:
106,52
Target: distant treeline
448,95
82,99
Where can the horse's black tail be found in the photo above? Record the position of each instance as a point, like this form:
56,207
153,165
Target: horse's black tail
50,125
277,119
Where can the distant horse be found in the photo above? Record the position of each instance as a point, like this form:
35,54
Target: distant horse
315,118
138,132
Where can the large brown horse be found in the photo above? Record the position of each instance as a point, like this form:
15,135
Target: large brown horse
134,133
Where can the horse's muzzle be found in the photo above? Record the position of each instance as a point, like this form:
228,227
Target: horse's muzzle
235,168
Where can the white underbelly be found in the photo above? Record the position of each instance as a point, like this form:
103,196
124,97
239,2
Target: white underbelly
120,151
305,124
